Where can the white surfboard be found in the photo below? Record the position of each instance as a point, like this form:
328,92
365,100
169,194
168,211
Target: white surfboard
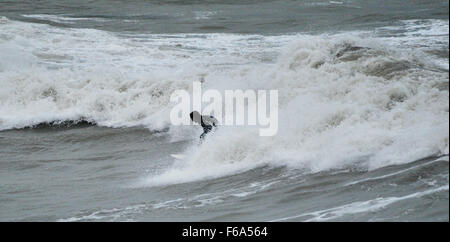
178,156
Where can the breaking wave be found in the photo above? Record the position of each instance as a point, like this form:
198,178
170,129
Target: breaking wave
346,99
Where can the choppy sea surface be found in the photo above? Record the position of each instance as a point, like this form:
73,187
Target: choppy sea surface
85,132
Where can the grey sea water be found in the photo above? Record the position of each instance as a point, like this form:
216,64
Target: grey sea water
85,100
247,17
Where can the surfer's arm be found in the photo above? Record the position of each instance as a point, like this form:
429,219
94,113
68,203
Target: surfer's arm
209,121
214,121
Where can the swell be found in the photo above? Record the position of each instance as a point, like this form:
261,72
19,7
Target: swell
59,124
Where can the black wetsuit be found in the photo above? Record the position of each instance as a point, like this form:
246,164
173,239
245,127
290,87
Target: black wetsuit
208,123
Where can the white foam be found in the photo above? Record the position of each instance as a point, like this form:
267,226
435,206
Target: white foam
331,117
423,34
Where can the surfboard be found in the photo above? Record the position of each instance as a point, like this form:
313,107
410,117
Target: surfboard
178,156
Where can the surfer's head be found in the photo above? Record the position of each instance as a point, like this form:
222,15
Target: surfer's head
195,116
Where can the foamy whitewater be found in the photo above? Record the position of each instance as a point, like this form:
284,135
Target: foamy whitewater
85,132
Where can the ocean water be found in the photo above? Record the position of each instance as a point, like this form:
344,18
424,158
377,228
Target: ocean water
85,133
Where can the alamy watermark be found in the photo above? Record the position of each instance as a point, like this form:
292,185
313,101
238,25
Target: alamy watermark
234,102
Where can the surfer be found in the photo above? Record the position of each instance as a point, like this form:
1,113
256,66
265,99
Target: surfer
207,122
